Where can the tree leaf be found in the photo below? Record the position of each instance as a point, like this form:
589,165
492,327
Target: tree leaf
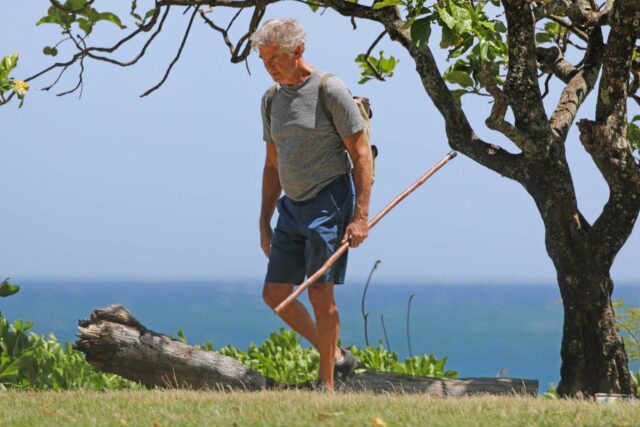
459,93
149,14
9,62
543,38
7,289
449,38
59,17
458,77
484,50
447,19
314,5
75,5
387,3
47,20
111,17
5,83
633,134
468,42
85,25
499,26
420,31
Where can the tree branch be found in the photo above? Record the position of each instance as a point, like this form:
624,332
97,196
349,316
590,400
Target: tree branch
222,3
461,136
635,80
258,14
579,86
85,51
385,15
581,12
552,61
6,100
601,16
80,83
368,54
521,84
224,32
569,26
137,57
546,85
55,82
143,28
182,44
496,119
605,138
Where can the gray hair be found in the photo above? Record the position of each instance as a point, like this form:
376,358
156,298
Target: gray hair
287,34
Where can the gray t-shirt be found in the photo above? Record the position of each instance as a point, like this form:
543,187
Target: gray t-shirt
309,145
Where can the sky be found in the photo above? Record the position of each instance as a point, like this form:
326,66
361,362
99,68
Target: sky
167,187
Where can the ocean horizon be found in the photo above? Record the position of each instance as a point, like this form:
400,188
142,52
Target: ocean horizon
483,329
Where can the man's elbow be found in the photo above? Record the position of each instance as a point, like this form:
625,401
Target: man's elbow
270,167
362,154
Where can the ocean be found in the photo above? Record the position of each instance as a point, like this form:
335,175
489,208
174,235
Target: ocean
483,329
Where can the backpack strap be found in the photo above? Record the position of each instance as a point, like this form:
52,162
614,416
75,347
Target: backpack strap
321,95
270,95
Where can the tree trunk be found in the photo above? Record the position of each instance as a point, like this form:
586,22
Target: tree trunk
114,341
593,355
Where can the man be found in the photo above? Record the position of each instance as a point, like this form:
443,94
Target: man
308,132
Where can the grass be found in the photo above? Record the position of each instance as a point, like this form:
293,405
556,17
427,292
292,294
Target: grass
297,408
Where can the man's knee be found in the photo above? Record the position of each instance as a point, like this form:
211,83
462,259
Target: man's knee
321,297
273,294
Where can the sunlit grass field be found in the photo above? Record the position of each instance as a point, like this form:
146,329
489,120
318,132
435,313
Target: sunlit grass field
297,408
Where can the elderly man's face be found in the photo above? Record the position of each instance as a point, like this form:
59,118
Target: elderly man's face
280,65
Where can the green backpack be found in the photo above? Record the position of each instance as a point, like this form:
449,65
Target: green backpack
363,106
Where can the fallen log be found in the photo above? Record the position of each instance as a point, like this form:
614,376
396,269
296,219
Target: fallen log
114,341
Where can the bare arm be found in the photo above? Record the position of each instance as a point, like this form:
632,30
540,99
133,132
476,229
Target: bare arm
271,190
360,154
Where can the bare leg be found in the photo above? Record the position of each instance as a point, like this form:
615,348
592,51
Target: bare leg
328,327
295,314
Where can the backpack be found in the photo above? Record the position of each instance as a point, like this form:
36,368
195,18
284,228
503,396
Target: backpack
364,107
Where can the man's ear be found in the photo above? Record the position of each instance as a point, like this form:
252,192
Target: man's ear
298,52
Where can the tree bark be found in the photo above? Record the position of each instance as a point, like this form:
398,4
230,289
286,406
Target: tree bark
114,341
593,355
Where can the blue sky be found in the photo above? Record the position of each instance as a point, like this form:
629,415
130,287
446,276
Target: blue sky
111,186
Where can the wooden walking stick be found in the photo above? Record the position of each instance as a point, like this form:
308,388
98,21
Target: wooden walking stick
342,249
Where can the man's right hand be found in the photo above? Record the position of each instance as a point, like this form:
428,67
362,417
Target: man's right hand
266,234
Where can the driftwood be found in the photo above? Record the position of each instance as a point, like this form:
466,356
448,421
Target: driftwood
114,341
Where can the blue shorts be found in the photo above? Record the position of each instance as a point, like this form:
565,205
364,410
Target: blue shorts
309,232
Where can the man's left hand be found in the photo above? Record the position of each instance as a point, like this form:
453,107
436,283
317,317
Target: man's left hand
356,232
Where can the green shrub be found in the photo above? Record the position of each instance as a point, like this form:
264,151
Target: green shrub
636,379
381,360
282,358
31,361
628,319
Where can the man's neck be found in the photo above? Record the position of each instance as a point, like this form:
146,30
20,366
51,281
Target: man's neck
303,71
